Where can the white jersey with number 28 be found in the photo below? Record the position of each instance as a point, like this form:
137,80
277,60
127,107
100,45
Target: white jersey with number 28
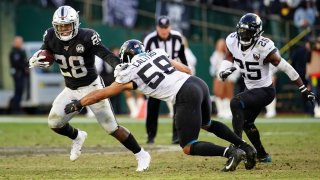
154,75
255,72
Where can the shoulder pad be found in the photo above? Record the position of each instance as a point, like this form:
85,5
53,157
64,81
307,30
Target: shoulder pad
48,34
90,35
123,72
265,44
231,39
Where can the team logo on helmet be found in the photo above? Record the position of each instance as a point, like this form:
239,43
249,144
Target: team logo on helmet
80,48
256,56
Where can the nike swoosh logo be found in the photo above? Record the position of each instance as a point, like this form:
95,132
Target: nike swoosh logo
229,166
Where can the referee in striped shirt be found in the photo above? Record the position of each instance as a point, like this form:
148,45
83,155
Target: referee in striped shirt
171,41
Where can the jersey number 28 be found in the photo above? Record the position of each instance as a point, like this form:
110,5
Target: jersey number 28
78,69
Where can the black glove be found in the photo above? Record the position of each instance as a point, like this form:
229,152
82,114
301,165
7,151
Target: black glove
75,105
224,74
307,95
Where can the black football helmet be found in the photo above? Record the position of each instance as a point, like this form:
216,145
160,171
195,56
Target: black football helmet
249,29
129,49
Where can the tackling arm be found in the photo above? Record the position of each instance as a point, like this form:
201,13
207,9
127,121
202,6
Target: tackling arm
107,92
97,95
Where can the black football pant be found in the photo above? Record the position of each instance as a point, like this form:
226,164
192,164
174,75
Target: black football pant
245,108
19,80
152,119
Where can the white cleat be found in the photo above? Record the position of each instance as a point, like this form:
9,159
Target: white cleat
144,159
77,145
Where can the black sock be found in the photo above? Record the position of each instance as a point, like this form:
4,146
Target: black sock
131,144
237,116
254,136
202,148
67,130
224,132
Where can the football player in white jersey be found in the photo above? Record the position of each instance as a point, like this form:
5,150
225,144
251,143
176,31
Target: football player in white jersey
253,54
153,74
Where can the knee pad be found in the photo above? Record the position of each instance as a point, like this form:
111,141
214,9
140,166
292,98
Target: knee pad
55,121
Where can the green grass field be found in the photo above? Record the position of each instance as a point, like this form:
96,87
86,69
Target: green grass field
29,150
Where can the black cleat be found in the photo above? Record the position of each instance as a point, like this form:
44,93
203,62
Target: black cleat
251,155
234,158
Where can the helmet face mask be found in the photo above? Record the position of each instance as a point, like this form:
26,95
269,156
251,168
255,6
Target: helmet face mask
249,29
129,49
65,22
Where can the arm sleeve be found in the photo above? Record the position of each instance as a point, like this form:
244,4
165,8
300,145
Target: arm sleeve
288,69
225,64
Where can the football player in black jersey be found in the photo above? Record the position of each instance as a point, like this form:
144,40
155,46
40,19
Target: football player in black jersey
74,49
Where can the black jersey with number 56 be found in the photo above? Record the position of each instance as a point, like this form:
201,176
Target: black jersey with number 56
76,57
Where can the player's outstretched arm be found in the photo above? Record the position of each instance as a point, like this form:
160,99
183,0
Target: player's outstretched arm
97,95
181,67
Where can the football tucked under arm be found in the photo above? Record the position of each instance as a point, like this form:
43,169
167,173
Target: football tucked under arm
42,59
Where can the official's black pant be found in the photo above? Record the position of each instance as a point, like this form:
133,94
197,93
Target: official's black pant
153,106
19,80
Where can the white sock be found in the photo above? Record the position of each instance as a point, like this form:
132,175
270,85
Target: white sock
271,108
132,106
170,107
218,103
226,111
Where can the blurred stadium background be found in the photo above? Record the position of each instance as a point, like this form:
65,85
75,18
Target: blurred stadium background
202,22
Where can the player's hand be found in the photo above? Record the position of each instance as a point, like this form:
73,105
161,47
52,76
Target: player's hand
307,95
75,105
224,74
34,61
119,68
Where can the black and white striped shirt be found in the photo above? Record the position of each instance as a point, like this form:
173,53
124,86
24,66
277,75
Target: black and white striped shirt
173,46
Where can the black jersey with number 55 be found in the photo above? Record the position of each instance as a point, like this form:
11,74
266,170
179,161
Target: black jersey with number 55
76,57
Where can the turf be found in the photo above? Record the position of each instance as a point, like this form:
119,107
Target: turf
29,150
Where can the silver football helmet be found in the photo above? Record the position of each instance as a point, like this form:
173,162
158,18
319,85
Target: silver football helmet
65,22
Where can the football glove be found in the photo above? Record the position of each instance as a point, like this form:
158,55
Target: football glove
307,95
75,105
34,61
224,74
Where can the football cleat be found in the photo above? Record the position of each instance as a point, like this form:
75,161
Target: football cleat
77,145
251,155
234,158
264,159
144,159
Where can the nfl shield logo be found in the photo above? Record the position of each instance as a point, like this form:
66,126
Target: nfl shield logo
80,48
256,56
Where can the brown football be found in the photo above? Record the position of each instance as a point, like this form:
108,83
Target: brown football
49,56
